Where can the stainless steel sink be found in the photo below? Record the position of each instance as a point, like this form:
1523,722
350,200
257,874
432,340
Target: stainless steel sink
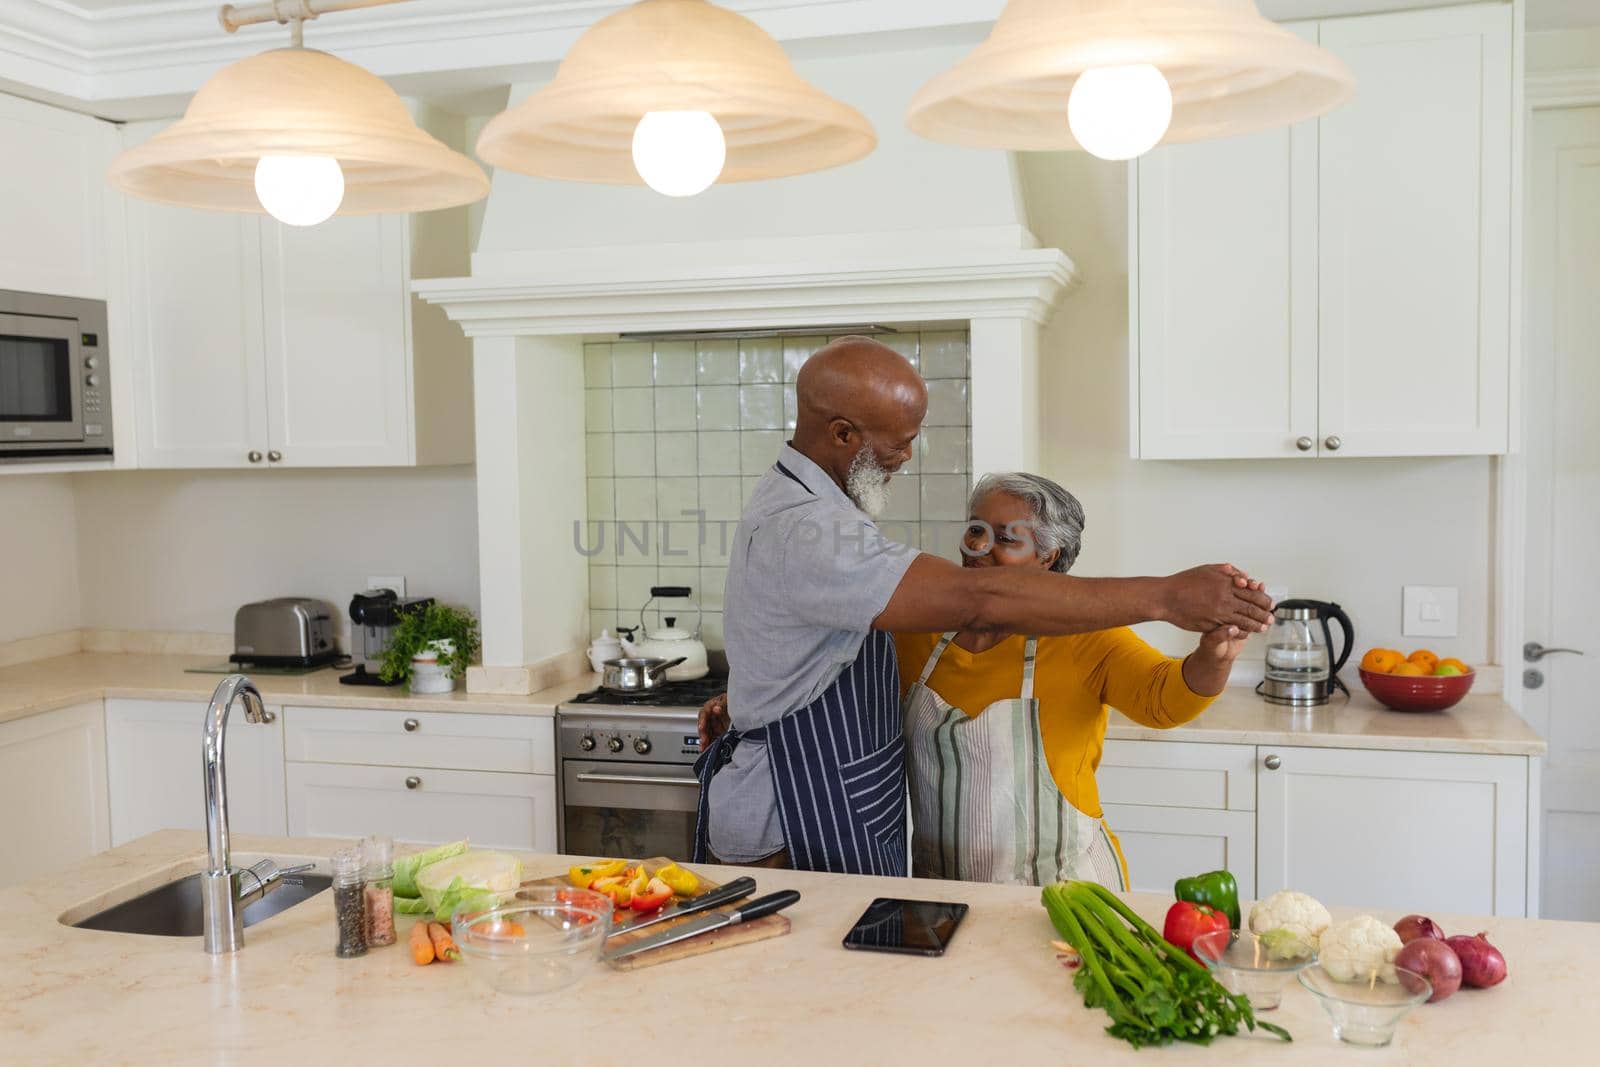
175,909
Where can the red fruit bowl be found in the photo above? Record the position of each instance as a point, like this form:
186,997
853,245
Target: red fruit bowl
1410,692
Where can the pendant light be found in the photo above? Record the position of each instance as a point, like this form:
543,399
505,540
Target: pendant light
1116,77
301,135
678,95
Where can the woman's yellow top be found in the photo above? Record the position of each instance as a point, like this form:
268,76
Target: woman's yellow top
1075,678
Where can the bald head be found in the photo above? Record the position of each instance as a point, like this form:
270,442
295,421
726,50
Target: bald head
857,393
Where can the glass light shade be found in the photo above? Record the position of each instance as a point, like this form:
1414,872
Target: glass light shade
299,190
1229,71
1119,112
298,102
679,153
674,56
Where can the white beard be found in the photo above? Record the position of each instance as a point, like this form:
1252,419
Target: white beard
867,483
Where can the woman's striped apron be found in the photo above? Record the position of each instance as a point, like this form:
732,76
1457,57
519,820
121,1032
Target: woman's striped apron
838,768
984,806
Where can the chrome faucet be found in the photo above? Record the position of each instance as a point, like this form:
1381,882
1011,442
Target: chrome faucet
226,892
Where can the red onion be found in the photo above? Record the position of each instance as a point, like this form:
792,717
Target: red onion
1414,926
1481,963
1434,960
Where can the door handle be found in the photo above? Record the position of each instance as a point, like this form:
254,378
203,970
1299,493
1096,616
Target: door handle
1333,442
253,456
1273,762
274,456
595,777
411,725
1305,444
1533,651
413,782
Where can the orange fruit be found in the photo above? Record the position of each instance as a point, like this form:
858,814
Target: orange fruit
1409,669
1424,658
1451,661
1380,660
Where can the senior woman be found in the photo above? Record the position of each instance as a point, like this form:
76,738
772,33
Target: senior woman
1005,732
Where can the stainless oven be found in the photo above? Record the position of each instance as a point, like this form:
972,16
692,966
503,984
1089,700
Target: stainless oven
55,393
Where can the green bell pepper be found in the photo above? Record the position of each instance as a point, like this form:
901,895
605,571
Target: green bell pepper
1215,889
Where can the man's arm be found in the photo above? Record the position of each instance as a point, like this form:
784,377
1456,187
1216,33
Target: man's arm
936,594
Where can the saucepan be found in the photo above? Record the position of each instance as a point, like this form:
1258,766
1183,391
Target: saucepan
636,674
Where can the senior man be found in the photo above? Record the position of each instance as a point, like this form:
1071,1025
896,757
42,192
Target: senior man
811,772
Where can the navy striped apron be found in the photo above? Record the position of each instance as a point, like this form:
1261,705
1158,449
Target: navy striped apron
838,769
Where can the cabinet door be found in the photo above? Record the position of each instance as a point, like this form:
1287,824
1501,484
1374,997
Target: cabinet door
156,775
338,346
1162,845
53,791
195,280
1224,300
424,805
52,202
1410,831
1415,235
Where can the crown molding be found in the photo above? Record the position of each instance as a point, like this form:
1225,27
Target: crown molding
1563,88
1024,285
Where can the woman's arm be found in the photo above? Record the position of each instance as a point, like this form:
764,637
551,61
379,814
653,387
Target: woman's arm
1206,669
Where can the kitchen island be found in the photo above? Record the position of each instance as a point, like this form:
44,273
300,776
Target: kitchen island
87,997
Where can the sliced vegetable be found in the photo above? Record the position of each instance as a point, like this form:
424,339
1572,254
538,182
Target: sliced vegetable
444,947
497,872
584,876
421,943
655,894
1214,889
684,883
407,867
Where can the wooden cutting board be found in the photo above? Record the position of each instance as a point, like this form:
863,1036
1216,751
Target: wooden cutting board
759,930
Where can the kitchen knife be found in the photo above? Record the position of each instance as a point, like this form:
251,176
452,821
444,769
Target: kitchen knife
756,909
737,889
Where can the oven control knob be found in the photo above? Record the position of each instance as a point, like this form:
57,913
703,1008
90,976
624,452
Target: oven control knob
586,742
91,380
641,745
615,744
90,362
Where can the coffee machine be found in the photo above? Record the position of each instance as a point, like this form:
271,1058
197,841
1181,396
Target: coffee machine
374,615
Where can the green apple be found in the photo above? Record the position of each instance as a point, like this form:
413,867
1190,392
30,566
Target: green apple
1446,670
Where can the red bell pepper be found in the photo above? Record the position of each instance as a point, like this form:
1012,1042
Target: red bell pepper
654,895
1187,921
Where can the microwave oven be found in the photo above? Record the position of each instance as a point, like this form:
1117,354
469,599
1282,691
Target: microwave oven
55,381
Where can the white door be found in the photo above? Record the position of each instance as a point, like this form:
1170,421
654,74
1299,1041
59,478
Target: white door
1562,459
425,805
1410,831
1162,845
156,776
338,346
1415,235
1224,297
52,199
53,792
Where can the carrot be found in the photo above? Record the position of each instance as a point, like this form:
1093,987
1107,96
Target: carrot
421,946
443,947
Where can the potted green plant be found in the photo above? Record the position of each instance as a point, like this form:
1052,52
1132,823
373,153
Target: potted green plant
431,648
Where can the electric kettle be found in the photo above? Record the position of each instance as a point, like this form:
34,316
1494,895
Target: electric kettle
1302,669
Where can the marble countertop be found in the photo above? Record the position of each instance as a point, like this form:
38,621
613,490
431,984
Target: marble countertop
1482,723
73,996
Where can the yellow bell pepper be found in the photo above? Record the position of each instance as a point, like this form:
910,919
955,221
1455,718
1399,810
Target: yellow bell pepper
585,876
682,882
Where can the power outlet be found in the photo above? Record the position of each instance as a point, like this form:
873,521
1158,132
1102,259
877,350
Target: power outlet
1430,611
395,582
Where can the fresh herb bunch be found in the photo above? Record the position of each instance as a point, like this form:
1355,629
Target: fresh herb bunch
1154,993
436,622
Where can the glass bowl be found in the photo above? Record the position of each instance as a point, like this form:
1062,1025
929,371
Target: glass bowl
1367,1010
546,939
1243,964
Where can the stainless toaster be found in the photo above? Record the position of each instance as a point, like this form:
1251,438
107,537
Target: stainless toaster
288,631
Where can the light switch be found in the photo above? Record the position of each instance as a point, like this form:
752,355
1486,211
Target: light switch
396,582
1430,611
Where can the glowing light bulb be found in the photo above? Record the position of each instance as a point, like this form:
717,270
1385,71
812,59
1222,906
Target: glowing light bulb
679,153
299,190
1120,112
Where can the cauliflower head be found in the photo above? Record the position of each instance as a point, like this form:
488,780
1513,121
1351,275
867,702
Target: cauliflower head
1290,924
1353,949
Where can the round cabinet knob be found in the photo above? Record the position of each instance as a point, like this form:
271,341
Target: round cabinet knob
1273,762
586,742
91,380
641,745
253,456
413,782
1305,444
615,744
411,725
1333,442
274,456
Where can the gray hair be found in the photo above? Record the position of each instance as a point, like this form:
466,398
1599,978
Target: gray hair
1058,518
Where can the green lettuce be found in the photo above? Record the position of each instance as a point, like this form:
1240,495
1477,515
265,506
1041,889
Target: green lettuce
406,868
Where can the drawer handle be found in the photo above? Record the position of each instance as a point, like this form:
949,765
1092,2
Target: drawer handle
1273,762
411,726
596,778
413,782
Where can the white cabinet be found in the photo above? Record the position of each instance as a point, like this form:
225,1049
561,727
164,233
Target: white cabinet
1410,831
52,791
259,345
1342,287
155,773
53,199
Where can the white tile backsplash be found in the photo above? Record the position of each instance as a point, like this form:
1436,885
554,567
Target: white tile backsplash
677,426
